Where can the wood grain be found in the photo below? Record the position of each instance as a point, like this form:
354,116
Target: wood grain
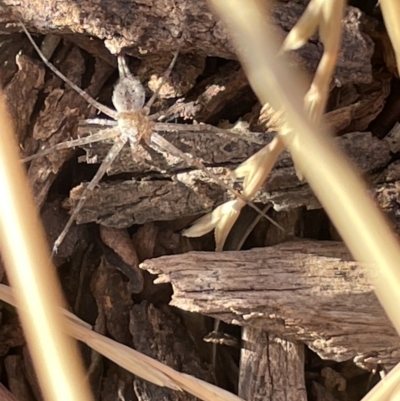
309,291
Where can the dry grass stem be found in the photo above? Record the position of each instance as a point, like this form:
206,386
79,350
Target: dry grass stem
327,15
133,361
333,179
222,218
391,15
387,388
24,251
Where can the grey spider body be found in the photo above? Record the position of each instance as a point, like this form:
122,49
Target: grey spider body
129,94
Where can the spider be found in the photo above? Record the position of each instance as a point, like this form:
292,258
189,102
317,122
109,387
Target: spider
131,123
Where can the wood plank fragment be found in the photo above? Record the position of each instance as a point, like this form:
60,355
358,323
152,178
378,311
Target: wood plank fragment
271,367
304,290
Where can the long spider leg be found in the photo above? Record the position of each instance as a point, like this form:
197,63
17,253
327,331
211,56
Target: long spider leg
167,73
119,143
106,110
159,141
171,110
105,134
98,121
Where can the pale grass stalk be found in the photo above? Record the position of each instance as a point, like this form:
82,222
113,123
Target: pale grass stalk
332,177
305,26
256,168
133,361
223,217
330,34
6,395
27,261
327,15
387,389
391,15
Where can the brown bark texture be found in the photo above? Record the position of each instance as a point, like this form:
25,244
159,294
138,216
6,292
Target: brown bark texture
293,315
309,291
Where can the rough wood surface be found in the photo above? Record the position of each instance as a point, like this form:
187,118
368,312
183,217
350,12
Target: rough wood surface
307,291
320,393
271,367
162,197
153,26
275,368
6,395
123,203
158,333
154,331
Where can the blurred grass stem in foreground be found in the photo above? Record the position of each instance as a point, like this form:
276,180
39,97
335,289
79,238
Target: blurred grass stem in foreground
25,253
332,177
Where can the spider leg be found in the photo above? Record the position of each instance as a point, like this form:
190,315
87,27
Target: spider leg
162,143
98,121
104,109
119,143
104,134
167,73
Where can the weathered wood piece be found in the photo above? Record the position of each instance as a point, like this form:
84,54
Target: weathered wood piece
158,333
274,368
123,203
306,291
270,367
11,335
153,27
154,331
352,107
214,150
227,87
